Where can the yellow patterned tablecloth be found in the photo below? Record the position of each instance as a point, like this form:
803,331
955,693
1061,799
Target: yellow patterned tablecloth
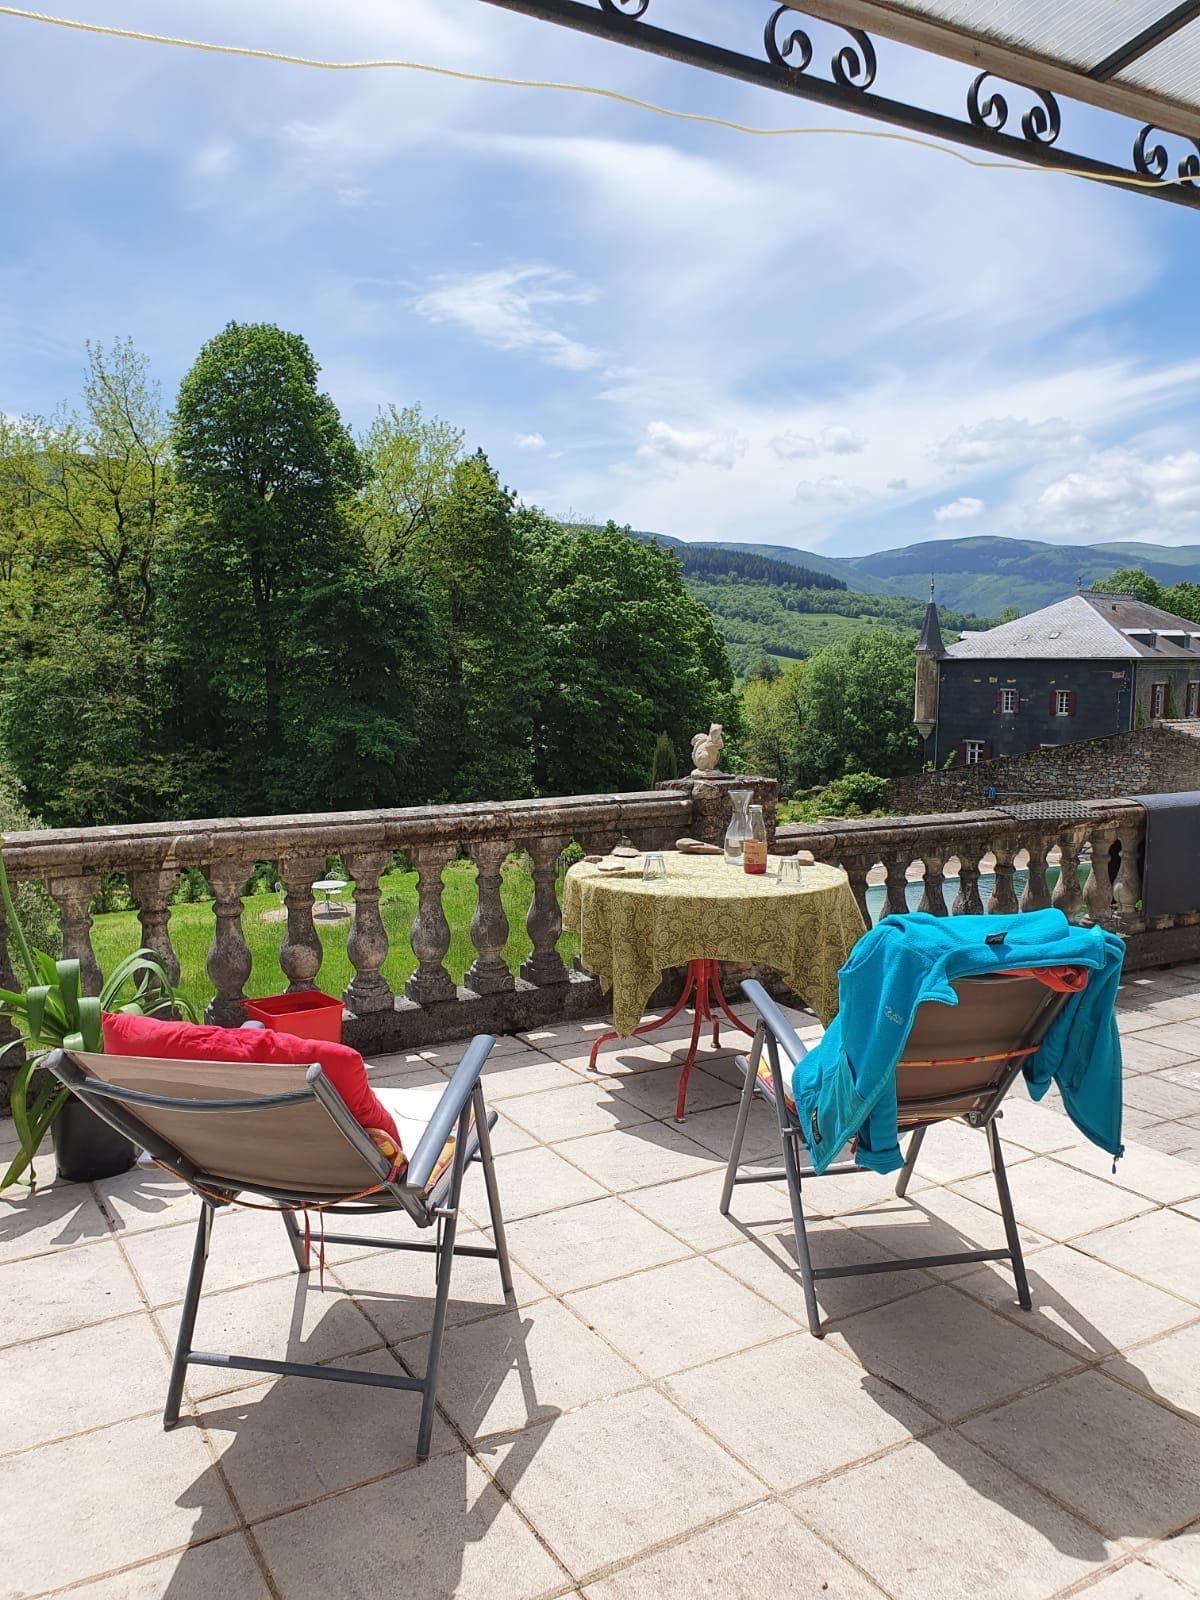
631,931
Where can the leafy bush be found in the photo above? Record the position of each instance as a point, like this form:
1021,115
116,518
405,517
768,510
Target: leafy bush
858,794
38,913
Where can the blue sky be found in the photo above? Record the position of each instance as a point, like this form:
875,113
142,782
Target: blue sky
832,343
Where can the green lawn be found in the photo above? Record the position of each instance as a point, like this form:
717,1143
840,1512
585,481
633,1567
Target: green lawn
116,933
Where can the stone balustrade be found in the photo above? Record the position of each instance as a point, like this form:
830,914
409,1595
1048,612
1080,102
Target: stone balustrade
881,856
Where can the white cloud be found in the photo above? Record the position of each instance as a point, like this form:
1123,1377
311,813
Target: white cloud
530,441
691,446
828,491
840,440
794,447
836,439
1123,494
1002,439
897,484
505,309
959,510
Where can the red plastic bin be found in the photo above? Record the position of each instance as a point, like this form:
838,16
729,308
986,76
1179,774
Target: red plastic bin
308,1012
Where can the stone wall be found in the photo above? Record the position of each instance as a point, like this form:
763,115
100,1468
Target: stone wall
1157,760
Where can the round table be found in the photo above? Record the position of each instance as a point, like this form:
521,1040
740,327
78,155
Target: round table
704,912
331,886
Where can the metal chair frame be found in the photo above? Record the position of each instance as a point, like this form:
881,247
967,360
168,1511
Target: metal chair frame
439,1208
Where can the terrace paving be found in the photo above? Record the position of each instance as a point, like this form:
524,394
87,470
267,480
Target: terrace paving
648,1417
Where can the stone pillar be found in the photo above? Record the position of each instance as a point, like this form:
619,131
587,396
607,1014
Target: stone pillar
73,896
933,899
300,954
967,902
1067,895
430,930
1098,891
544,921
489,926
367,945
857,869
1037,895
153,890
711,808
1128,887
895,866
229,958
1003,900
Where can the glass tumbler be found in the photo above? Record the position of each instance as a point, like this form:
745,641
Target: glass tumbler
788,875
654,866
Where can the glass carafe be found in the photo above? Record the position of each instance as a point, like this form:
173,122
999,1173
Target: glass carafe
754,850
739,825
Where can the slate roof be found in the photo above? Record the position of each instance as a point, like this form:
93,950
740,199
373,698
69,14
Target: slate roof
1087,627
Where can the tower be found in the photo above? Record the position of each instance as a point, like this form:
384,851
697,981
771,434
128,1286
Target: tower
929,653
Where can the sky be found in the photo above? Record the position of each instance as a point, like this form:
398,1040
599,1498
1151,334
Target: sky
824,341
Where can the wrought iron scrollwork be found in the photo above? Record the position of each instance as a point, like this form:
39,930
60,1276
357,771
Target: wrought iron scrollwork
633,9
1041,124
853,66
1152,160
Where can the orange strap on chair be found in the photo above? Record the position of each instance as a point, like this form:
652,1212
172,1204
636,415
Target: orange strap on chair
1063,980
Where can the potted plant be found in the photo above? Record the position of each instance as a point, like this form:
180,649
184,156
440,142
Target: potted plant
52,1013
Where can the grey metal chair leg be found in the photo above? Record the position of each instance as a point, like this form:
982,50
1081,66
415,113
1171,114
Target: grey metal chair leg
739,1127
187,1317
445,1260
296,1239
803,1258
1010,1222
488,1164
910,1159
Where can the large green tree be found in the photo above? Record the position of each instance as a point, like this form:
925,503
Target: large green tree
771,743
856,705
630,654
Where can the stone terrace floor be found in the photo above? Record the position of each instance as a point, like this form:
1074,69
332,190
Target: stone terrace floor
650,1420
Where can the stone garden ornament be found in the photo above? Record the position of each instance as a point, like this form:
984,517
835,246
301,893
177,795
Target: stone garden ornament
706,752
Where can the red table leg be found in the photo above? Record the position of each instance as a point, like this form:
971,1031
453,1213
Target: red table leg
703,988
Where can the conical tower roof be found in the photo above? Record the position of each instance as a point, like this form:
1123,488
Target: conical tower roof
930,642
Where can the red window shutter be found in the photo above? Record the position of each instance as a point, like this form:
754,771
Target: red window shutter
1016,702
960,753
998,701
986,753
1053,701
1071,703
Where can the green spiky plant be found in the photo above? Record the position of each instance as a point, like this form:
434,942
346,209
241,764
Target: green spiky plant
52,1013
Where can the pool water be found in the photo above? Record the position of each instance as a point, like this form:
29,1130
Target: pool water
987,882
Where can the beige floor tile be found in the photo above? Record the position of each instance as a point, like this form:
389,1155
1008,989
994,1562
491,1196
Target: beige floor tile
678,1316
1169,1368
1190,1208
1181,1036
768,1266
572,1112
1180,1557
144,1198
222,1569
1087,1307
1141,1170
449,1055
655,1092
1056,1200
640,1469
947,1351
394,1289
508,1137
1187,1073
615,1058
528,1073
1178,1003
533,1181
1162,1247
638,1157
1162,1097
714,1130
1129,1466
53,1218
286,1319
88,1378
69,1289
588,1244
743,1558
690,1208
953,1151
500,1375
119,1496
982,1531
246,1246
1139,1054
1138,1580
1038,1125
763,1405
563,1034
930,1222
295,1440
440,1529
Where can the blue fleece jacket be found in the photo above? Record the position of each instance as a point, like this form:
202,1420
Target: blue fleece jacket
846,1085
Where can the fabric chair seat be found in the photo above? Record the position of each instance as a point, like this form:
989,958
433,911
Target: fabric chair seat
412,1111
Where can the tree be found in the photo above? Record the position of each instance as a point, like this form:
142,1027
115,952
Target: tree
665,766
772,711
1132,580
857,705
1183,599
1010,613
410,463
629,652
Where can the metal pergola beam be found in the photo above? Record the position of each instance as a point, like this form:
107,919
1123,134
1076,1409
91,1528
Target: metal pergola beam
788,54
1142,43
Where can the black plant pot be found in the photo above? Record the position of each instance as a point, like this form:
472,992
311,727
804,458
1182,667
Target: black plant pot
85,1147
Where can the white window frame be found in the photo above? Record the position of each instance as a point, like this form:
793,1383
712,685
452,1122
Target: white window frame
1158,699
973,752
1062,702
1193,699
1008,700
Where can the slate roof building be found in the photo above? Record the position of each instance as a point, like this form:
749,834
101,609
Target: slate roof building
1095,664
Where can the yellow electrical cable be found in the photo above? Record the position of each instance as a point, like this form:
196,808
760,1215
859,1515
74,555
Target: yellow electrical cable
571,88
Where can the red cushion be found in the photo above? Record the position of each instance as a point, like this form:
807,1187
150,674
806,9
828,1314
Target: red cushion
184,1041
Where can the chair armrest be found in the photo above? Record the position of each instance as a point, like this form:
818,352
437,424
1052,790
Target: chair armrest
777,1023
449,1108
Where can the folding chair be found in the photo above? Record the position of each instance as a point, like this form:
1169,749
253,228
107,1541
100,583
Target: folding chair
283,1135
958,1063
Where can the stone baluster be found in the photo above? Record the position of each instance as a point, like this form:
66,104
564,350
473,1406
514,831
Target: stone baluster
367,944
857,869
895,867
300,954
967,902
1037,895
229,959
152,889
1098,890
430,930
489,925
1067,896
1128,887
544,921
1003,900
73,896
933,900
